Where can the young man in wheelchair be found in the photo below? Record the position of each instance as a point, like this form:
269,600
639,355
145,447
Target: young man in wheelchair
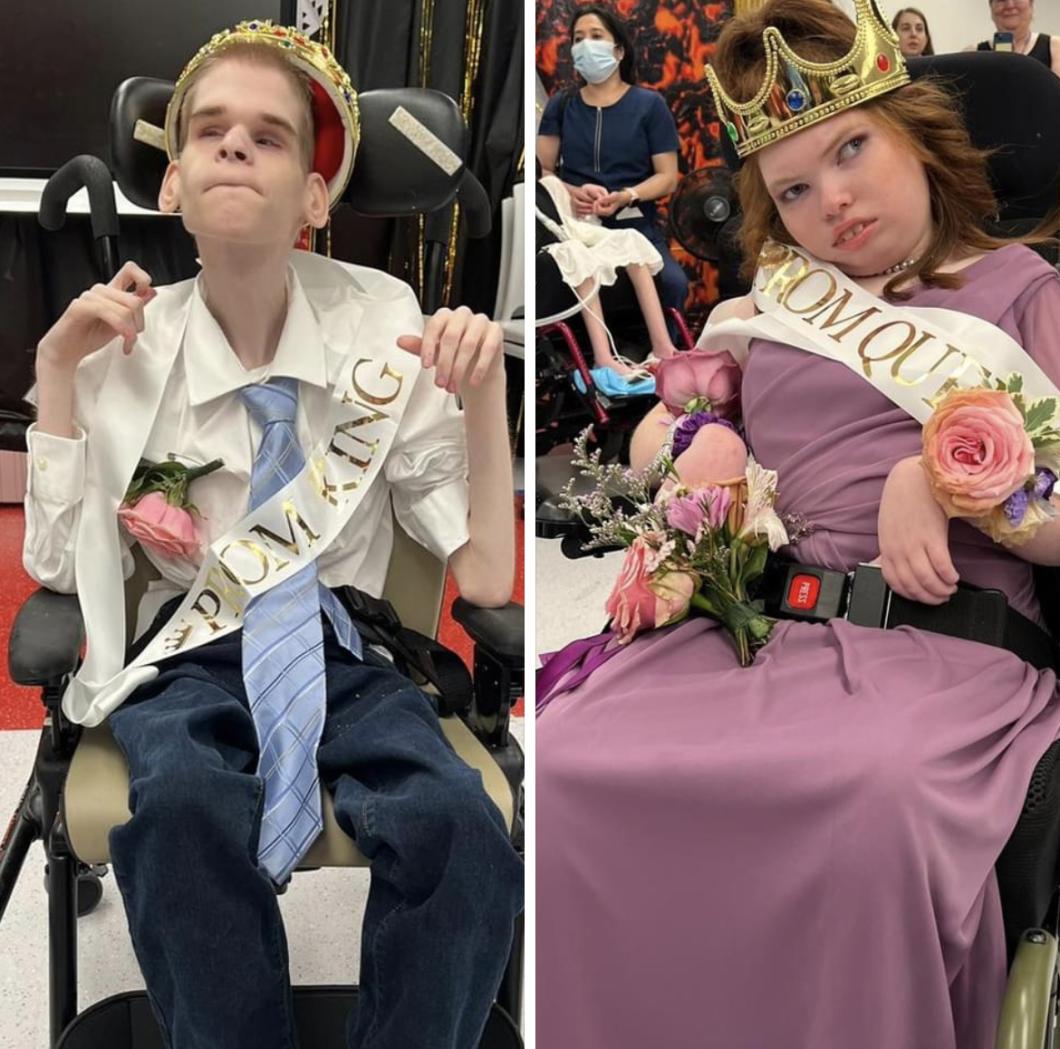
326,399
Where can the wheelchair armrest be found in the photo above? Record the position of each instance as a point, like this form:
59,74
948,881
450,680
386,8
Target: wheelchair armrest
46,639
498,678
498,630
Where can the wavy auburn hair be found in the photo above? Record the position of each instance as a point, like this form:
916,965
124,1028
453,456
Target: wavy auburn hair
921,115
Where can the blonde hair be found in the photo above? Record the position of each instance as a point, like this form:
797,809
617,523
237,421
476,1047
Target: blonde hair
921,115
261,55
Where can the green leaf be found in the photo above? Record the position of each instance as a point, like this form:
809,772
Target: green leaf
1015,382
1040,413
756,564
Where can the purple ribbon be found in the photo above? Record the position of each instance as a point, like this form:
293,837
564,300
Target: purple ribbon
585,656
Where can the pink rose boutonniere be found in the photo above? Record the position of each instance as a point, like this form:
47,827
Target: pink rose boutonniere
992,457
156,509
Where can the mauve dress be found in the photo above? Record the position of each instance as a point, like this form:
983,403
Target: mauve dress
798,855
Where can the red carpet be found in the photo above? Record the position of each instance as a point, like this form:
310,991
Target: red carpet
20,708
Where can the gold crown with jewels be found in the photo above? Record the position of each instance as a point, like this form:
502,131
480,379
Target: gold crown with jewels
336,114
796,93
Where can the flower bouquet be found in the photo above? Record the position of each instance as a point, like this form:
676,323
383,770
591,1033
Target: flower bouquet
695,511
993,457
692,542
157,511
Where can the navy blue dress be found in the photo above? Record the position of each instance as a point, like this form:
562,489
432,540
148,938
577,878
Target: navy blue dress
612,146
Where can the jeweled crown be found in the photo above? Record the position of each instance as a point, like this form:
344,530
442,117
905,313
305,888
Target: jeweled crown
338,133
796,93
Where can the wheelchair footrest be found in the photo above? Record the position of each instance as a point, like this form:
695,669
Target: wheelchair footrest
126,1022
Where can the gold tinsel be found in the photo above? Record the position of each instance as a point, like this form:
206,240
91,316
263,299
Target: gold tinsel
473,26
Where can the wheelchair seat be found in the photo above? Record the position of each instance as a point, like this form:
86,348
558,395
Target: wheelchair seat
95,799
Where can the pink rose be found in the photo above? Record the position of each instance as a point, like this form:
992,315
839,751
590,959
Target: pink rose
673,592
166,529
640,602
710,374
716,454
976,451
631,605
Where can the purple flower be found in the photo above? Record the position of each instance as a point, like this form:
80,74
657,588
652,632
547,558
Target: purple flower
685,513
688,513
1044,479
689,425
1015,506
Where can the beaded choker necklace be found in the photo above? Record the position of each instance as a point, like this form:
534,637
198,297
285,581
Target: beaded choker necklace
896,268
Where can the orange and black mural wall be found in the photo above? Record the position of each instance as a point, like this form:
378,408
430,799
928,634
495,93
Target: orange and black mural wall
673,39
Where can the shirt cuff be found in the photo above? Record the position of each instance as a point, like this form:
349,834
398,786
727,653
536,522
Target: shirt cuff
56,467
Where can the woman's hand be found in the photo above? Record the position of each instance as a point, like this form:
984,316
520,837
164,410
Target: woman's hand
609,203
584,197
914,537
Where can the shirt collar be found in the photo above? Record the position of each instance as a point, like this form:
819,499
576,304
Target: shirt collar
213,369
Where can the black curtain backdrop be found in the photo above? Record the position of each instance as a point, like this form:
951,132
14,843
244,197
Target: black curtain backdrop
42,272
379,42
432,43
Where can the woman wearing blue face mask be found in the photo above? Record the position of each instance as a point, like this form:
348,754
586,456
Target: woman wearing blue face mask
612,143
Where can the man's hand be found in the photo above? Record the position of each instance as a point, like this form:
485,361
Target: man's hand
914,537
95,317
584,197
609,203
465,349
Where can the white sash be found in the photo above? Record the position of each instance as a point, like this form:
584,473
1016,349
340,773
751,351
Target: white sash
300,521
912,355
268,545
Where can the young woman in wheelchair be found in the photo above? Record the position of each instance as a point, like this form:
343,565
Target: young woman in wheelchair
800,852
615,145
252,685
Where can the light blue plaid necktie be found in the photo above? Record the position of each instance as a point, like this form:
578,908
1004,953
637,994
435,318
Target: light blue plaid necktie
283,654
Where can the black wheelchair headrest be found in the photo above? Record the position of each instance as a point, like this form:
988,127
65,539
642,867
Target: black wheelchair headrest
1010,105
410,158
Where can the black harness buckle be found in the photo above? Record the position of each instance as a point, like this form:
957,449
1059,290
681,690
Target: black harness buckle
815,595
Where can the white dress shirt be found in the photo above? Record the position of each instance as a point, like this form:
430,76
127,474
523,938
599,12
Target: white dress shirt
202,418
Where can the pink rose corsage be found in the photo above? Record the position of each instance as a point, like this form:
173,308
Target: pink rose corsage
156,509
992,457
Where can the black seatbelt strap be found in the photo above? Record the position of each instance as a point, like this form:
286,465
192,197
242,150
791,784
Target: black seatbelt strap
415,653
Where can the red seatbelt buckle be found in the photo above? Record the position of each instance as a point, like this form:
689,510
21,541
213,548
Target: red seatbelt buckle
812,593
803,591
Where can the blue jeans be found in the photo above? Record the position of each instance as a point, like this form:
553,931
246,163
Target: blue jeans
446,883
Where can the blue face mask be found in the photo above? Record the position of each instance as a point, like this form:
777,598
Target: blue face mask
594,59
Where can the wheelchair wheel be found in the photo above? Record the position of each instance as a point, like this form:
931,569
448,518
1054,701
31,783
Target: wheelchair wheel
1028,1013
89,888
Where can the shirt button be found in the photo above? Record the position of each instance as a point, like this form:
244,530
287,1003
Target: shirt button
42,464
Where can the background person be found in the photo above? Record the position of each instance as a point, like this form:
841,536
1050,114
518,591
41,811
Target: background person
914,36
1015,17
614,144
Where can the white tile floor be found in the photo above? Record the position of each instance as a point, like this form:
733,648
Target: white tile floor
322,913
570,594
